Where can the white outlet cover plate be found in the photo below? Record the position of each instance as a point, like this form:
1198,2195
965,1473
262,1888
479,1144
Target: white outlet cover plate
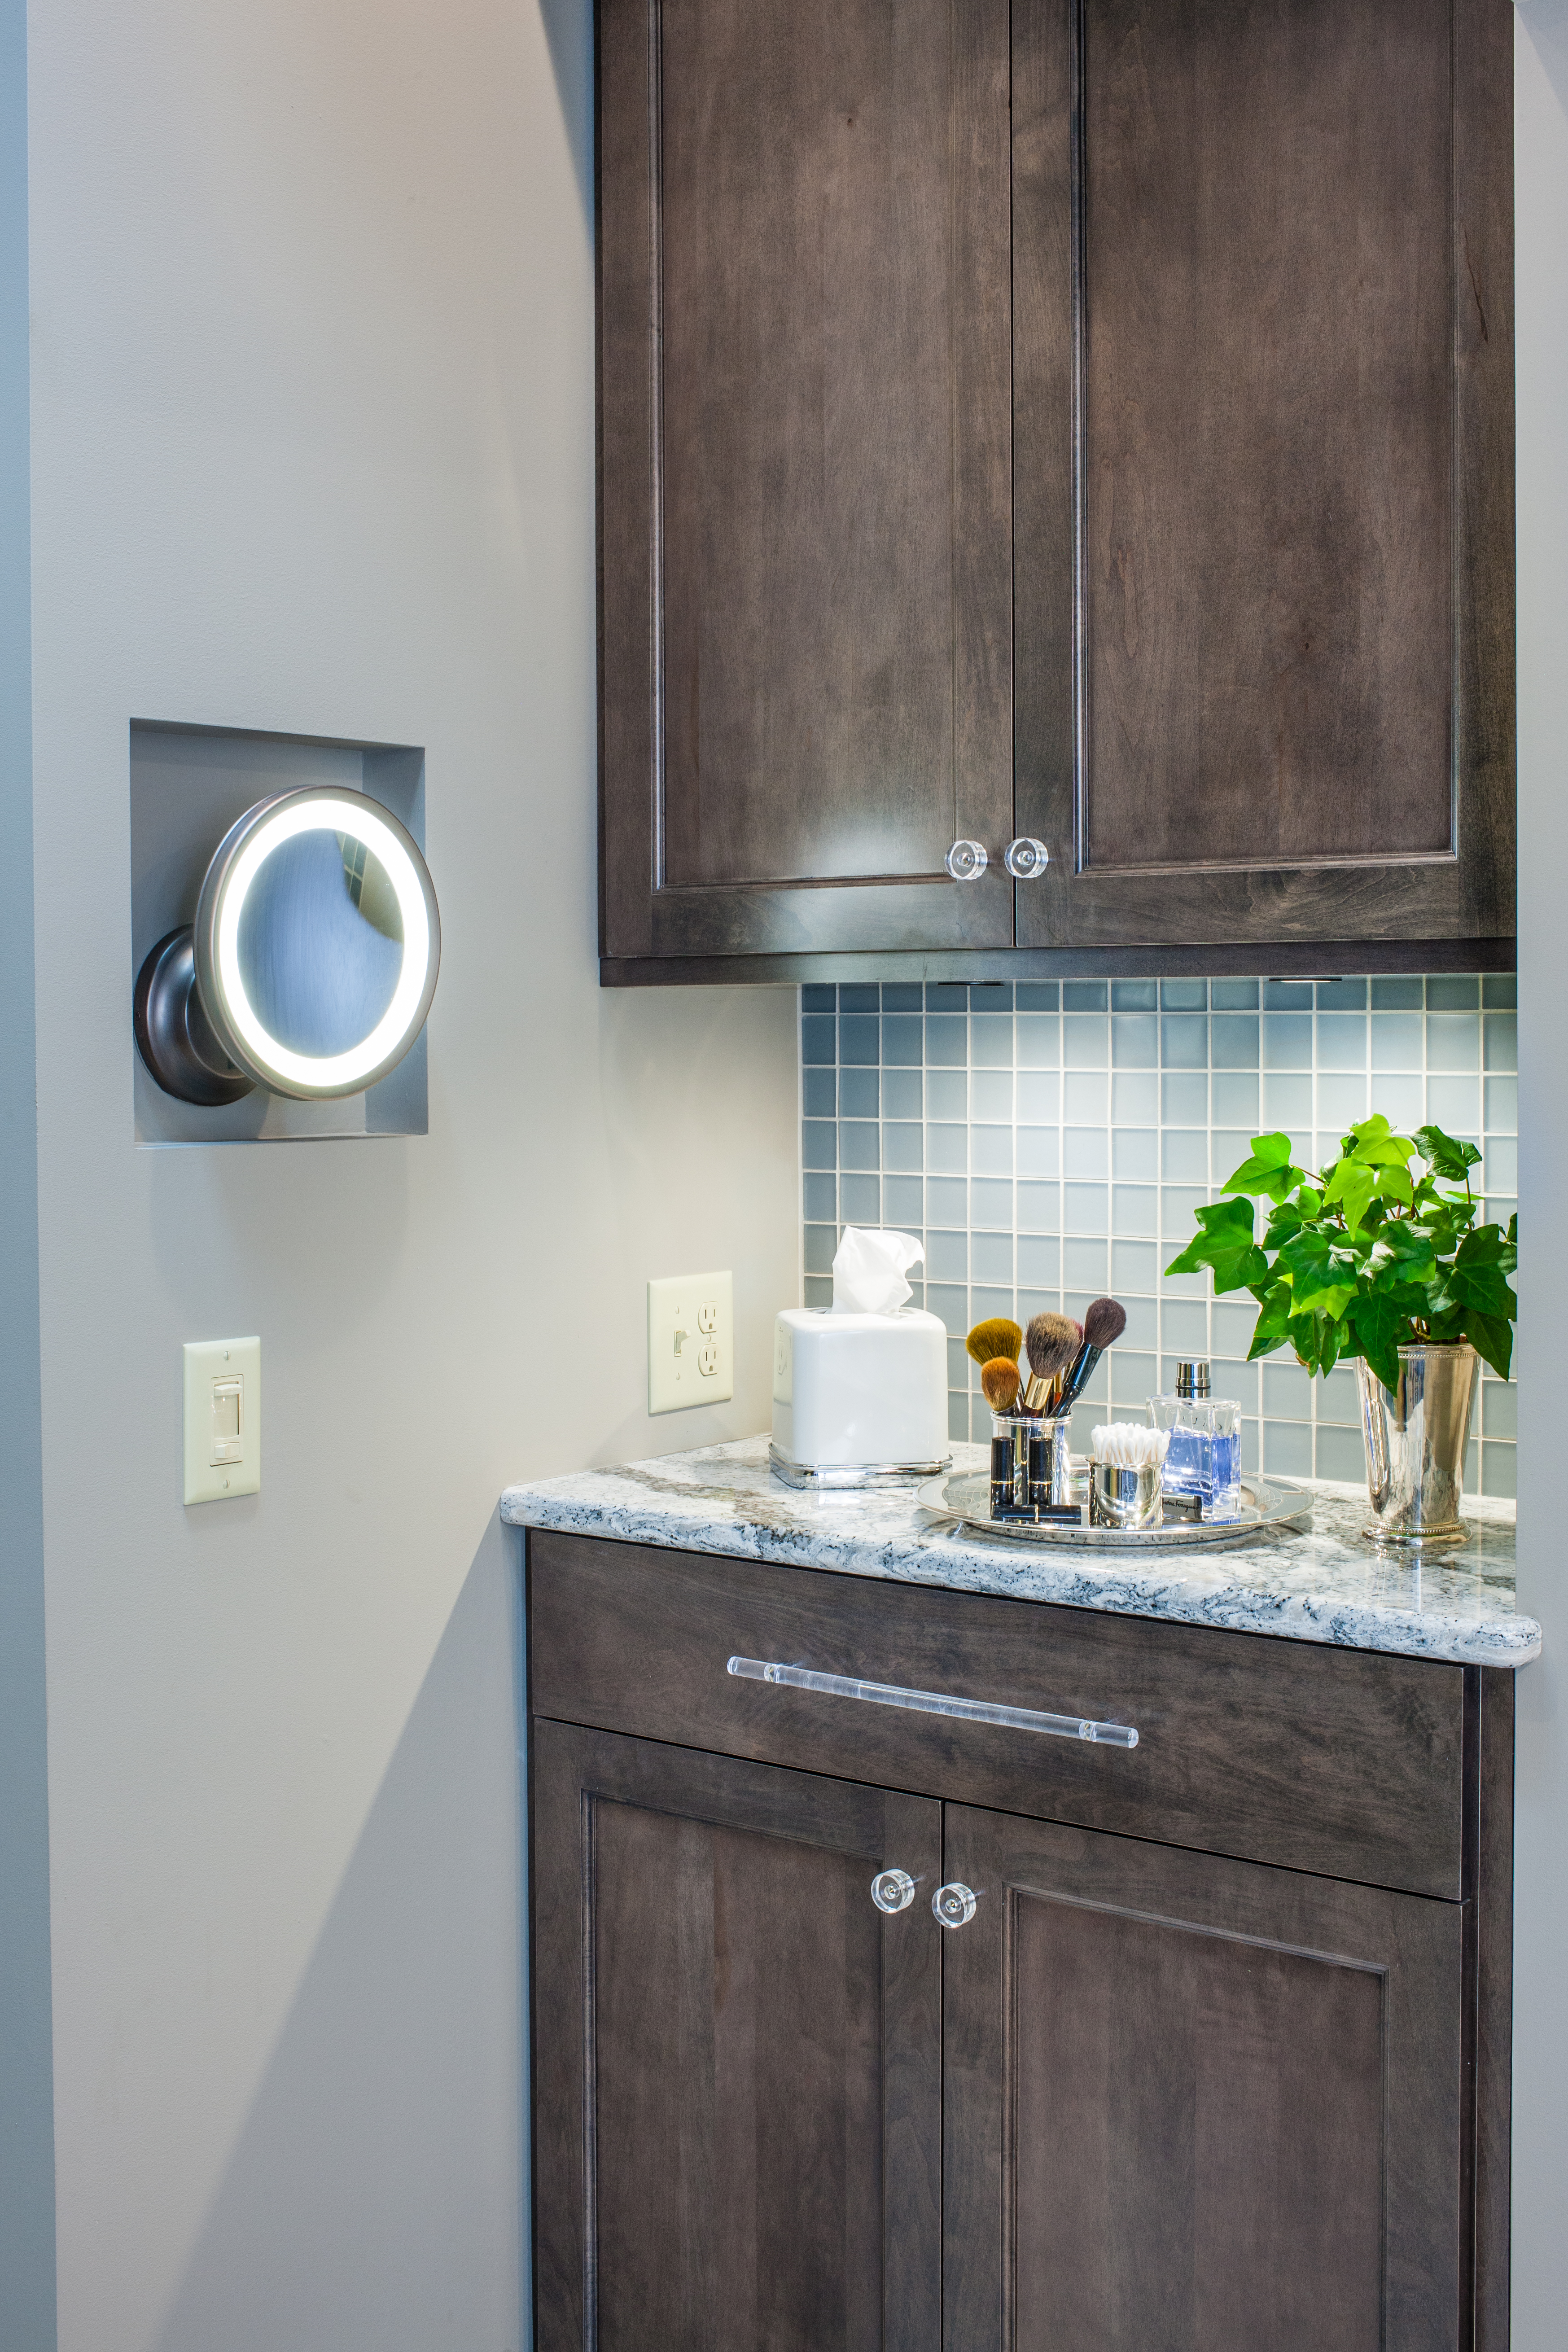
211,1366
690,1341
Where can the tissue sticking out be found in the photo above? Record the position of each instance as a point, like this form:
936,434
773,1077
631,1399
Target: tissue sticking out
997,1336
999,1379
869,1268
1129,1445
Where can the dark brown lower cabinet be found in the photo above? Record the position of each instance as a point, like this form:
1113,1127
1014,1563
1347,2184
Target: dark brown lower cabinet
1150,2096
1196,2105
737,2059
1143,2098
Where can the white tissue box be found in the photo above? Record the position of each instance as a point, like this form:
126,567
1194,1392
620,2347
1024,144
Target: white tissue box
856,1396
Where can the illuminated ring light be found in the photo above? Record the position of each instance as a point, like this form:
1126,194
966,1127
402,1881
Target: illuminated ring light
238,861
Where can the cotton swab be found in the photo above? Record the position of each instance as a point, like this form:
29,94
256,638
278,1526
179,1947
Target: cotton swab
1129,1445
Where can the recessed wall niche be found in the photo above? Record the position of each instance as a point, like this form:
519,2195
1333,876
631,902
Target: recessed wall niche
188,785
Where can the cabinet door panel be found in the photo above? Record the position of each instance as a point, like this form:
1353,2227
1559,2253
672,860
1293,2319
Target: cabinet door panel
1197,2104
1272,276
738,2145
806,477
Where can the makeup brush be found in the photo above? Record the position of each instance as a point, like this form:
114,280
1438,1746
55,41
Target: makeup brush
1051,1342
997,1336
999,1379
1102,1326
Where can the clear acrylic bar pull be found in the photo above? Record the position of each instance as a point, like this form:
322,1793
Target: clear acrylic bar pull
920,1702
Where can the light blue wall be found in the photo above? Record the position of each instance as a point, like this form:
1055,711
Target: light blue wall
26,2101
1049,1141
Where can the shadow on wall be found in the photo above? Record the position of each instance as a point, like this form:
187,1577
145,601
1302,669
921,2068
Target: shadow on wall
1544,21
714,1185
347,2219
567,29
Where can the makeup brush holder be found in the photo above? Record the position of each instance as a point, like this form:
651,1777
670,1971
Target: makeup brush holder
1011,1440
1050,1465
1031,1470
1124,1498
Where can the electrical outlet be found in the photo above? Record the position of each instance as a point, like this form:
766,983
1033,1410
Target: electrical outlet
690,1341
223,1419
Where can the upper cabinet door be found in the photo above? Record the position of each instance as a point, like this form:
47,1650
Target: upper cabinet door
805,491
1264,459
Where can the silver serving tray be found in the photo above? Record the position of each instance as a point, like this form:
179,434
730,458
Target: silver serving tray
965,1496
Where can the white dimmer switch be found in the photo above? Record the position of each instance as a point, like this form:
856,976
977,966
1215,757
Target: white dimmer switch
223,1419
690,1341
228,1417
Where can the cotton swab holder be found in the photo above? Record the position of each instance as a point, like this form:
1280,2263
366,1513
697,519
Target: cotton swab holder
1125,1476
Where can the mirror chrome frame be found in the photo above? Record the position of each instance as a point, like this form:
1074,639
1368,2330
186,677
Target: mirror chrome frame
190,1035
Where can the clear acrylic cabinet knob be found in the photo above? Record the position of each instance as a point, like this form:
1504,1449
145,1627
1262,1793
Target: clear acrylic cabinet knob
954,1903
1026,858
892,1890
966,861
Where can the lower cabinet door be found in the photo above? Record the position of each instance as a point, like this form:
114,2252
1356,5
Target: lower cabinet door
736,2054
1195,2105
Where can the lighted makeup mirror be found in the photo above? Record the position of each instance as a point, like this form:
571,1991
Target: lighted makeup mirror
311,963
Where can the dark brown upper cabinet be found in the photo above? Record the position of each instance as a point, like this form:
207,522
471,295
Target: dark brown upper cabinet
1091,423
1263,291
806,497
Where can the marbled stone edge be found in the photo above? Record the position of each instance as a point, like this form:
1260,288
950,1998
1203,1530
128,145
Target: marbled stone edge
626,1506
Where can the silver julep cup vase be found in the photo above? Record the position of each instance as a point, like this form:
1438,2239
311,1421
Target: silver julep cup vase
1123,1498
1415,1443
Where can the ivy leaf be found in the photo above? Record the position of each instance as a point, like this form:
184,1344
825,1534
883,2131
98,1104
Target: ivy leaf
1392,1183
1224,1244
1284,1220
1491,1336
1273,1325
1477,1280
1403,1254
1374,1142
1487,1245
1351,1183
1444,1155
1317,1340
1379,1328
1331,1338
1267,1170
1323,1275
1272,1150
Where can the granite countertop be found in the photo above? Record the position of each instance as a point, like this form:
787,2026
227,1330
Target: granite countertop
1318,1581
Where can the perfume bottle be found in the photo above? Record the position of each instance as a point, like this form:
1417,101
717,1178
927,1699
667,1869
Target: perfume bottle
1203,1463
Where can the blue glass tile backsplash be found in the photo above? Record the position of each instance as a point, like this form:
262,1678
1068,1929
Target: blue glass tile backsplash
1049,1140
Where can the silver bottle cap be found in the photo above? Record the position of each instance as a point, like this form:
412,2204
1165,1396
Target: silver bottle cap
1191,1380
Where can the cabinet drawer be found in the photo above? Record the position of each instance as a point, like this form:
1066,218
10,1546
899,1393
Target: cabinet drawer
1341,1761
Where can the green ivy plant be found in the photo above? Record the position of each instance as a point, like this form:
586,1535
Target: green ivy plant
1375,1253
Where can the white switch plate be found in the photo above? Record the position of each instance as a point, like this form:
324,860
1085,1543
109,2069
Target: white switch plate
690,1341
223,1419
